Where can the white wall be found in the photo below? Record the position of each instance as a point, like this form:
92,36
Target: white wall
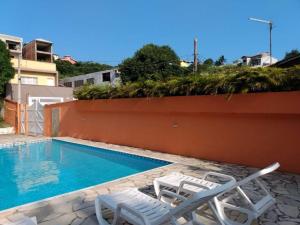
98,77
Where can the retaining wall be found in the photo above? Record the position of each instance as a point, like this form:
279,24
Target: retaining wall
249,129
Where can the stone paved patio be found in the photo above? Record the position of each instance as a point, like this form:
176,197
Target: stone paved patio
78,208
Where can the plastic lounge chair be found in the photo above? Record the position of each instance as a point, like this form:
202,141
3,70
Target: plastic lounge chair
252,208
138,208
180,182
177,181
24,221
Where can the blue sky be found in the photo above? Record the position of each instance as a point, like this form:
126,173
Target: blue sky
109,31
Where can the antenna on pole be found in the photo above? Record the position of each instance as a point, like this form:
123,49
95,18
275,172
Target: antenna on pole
195,55
270,23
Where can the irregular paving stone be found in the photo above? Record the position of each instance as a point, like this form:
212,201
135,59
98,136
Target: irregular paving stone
64,219
295,220
287,223
86,212
33,206
102,191
40,213
295,197
92,220
270,223
287,200
50,217
272,216
4,221
63,207
289,210
82,205
77,221
15,217
90,198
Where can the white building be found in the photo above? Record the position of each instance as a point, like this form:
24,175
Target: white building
108,76
259,60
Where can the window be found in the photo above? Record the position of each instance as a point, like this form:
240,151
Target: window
28,80
78,83
13,45
90,81
68,84
106,77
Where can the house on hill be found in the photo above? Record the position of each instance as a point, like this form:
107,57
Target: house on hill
260,60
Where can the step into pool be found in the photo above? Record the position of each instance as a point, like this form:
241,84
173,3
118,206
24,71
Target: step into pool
32,172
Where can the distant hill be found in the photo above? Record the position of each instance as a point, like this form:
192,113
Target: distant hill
66,69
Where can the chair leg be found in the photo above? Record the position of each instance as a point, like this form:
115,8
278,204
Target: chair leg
156,187
219,208
215,212
99,214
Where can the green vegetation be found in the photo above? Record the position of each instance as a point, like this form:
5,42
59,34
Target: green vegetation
220,61
151,62
7,72
66,69
212,81
291,54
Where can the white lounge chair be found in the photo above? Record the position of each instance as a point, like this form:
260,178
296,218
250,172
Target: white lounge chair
24,221
180,182
252,208
138,208
177,182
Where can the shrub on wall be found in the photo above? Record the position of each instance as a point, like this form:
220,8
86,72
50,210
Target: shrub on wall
225,80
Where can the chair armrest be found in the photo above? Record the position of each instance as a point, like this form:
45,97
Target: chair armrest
126,207
218,175
170,194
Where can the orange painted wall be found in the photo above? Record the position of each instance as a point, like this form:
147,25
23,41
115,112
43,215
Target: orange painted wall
249,129
10,113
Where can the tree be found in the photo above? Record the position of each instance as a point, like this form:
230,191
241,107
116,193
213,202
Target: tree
67,69
208,62
7,71
291,54
150,62
220,61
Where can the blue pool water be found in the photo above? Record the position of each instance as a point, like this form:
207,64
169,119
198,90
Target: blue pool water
40,170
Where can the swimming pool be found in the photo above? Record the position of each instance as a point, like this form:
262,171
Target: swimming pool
36,171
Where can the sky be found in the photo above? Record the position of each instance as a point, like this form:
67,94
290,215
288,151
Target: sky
108,31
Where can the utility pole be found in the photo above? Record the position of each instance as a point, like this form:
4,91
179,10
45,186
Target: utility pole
19,75
270,27
20,52
270,23
195,55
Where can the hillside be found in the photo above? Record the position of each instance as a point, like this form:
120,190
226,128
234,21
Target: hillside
66,69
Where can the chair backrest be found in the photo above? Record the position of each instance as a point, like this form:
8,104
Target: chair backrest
259,173
200,198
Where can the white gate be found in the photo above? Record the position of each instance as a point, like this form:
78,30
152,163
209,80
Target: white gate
32,115
35,119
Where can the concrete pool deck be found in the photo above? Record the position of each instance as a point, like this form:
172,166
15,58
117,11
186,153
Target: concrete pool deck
77,208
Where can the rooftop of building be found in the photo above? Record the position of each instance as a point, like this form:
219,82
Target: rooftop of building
10,37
